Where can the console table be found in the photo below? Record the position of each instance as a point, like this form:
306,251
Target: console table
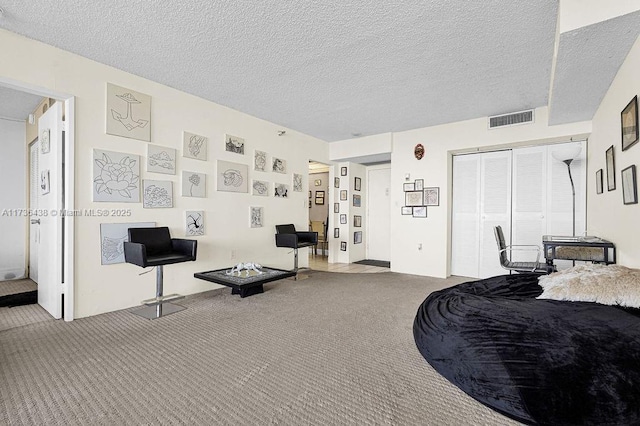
247,283
590,249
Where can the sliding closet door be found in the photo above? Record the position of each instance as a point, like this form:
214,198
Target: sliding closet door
495,208
465,223
481,200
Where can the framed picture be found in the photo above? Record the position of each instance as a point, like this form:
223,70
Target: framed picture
407,211
336,207
128,113
194,146
357,201
343,195
419,184
319,201
629,186
278,165
357,221
343,171
343,219
45,181
336,232
232,177
319,194
599,182
357,237
357,184
409,186
413,198
234,144
45,142
309,203
343,246
611,169
629,124
336,182
432,196
309,194
420,211
317,182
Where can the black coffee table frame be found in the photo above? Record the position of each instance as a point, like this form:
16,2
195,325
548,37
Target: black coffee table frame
245,286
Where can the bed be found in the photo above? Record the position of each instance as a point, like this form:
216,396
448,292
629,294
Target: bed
546,362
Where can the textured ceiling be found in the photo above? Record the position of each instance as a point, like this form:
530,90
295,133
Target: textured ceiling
328,68
17,105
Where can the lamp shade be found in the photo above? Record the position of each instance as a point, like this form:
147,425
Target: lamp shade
565,153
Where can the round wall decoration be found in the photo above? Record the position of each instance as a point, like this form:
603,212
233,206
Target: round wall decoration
418,151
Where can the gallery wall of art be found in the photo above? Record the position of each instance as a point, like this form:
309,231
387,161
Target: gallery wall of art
185,162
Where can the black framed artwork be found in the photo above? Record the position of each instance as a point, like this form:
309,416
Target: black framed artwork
343,246
357,221
407,211
343,219
343,171
357,237
336,182
599,182
432,196
343,195
629,186
629,124
611,169
357,200
336,207
357,184
336,232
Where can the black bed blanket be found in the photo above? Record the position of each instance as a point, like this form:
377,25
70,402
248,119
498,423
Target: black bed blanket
537,361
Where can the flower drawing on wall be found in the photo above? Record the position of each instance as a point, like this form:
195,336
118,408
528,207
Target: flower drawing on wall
117,177
194,180
194,223
260,161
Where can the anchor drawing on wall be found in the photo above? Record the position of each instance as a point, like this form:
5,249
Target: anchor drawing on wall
128,121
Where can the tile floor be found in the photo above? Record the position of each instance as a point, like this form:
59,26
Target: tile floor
321,263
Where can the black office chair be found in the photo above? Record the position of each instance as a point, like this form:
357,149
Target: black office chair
521,267
287,236
155,247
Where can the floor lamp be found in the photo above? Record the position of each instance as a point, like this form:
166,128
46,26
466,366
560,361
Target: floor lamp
567,155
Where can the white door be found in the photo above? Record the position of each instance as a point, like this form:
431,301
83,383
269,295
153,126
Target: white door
50,203
34,196
378,214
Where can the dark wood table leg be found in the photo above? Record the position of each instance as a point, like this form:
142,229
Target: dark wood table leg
250,291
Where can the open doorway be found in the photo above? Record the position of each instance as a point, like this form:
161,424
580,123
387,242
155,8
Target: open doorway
319,211
36,131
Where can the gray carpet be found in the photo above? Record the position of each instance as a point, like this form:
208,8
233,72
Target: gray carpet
16,286
334,349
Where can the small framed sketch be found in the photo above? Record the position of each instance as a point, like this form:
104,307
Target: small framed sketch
128,113
336,182
336,207
599,183
261,188
611,169
194,146
317,182
232,177
297,182
357,237
629,186
319,201
420,211
45,142
336,232
256,217
194,184
407,211
629,124
234,144
343,219
343,246
357,200
194,223
357,221
419,185
157,194
413,198
278,165
45,184
357,184
281,190
343,171
343,195
161,159
432,196
409,186
259,161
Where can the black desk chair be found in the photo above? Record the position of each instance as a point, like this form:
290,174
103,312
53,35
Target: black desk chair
530,267
287,236
155,247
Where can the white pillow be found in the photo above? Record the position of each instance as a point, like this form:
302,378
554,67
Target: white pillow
609,285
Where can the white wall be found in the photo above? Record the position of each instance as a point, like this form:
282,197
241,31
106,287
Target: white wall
607,216
435,168
13,170
574,14
107,288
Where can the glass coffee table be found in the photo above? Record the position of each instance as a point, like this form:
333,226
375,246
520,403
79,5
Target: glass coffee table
247,283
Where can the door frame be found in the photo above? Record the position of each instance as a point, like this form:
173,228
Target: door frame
68,235
367,229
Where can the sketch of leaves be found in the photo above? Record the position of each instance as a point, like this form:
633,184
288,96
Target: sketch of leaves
113,247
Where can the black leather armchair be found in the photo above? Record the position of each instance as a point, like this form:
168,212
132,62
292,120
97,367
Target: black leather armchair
155,247
287,236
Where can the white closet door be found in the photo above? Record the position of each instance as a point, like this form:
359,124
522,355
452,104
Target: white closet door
529,200
465,226
495,209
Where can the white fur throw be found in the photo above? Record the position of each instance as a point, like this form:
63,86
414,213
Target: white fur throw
609,285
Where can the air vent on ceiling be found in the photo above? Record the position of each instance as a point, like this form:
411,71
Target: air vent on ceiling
512,119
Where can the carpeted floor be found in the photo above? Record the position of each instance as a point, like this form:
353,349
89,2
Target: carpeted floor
334,349
371,262
17,286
